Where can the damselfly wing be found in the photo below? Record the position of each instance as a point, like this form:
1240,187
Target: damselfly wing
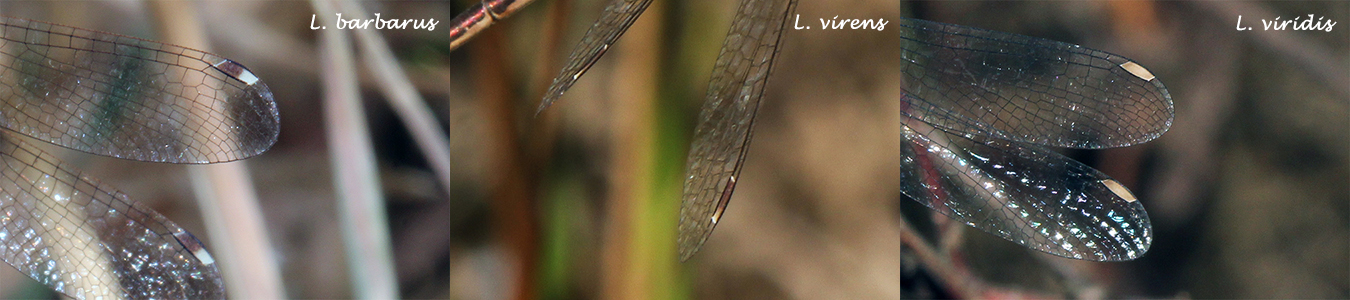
726,122
123,97
613,22
727,118
980,105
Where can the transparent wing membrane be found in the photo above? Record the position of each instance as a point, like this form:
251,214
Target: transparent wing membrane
116,96
1023,193
617,17
726,122
1027,89
86,240
129,98
976,105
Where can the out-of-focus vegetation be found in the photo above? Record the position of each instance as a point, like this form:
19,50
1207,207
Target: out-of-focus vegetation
1247,192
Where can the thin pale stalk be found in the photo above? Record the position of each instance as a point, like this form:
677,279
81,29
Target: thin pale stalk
224,191
404,98
961,286
364,223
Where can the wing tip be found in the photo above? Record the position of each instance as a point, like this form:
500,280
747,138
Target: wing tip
692,236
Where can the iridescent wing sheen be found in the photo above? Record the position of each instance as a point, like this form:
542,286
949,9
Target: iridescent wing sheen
1020,88
1022,193
86,240
976,105
617,17
726,121
118,96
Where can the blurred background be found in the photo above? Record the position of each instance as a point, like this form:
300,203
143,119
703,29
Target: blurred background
294,181
1247,193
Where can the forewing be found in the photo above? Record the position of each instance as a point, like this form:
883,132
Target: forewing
617,17
130,98
1021,88
86,240
1023,193
727,120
